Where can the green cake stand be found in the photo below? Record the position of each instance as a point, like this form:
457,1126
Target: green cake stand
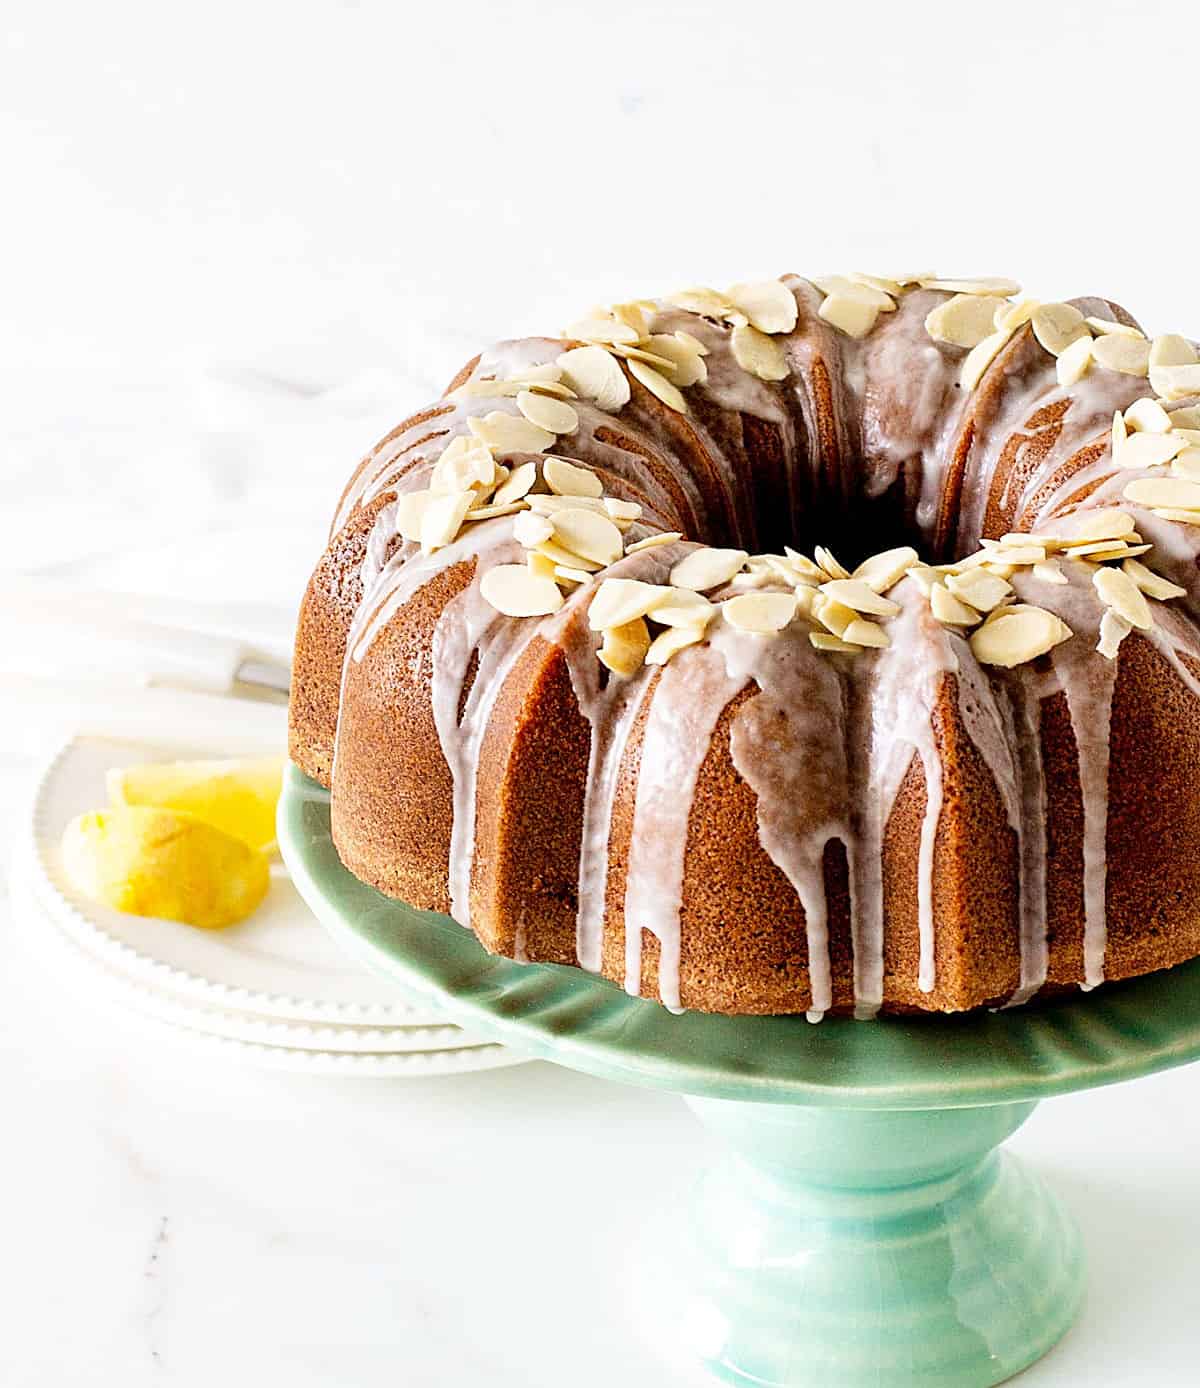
861,1227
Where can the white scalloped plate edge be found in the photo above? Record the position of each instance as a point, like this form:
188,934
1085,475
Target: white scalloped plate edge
160,975
192,1027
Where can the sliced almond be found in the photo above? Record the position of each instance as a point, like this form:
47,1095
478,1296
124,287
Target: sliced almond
833,615
601,329
532,530
1118,591
1129,355
705,569
1057,326
1184,517
1172,350
597,376
625,647
547,503
510,433
1175,382
410,510
857,290
979,358
1014,635
1119,433
686,365
587,533
884,570
442,518
1074,361
949,610
850,316
1187,464
670,642
657,384
623,512
769,305
859,596
1152,584
1007,318
827,641
555,416
621,600
1147,416
564,478
1108,327
493,511
864,633
513,590
828,562
668,537
980,284
981,590
1175,493
761,614
1113,630
541,564
516,484
1049,572
560,555
706,302
807,569
683,608
965,320
464,463
1148,450
759,354
1106,524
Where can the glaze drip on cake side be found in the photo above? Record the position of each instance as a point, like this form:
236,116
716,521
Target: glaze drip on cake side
827,712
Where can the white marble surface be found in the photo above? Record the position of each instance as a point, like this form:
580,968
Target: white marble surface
249,237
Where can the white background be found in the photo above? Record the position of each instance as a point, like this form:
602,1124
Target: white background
240,240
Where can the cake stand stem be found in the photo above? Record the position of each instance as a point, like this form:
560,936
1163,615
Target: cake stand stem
831,1246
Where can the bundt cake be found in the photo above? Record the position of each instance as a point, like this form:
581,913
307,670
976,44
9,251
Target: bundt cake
580,666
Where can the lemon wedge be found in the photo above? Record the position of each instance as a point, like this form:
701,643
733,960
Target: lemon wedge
151,862
238,796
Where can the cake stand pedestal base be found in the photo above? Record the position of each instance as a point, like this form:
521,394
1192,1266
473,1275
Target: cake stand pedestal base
832,1246
860,1228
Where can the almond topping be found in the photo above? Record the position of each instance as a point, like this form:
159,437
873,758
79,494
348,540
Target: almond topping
983,284
827,641
759,354
653,541
686,365
670,642
1057,326
770,305
1172,350
1118,591
761,614
982,590
531,530
465,463
625,647
1113,630
1014,635
1175,493
1107,327
1049,572
965,320
565,479
1129,355
1147,416
706,568
1176,382
856,290
513,590
864,633
516,484
546,412
588,534
596,375
1148,450
1074,361
857,595
510,433
949,610
1152,584
851,316
442,518
657,384
1106,524
979,358
680,607
883,571
621,600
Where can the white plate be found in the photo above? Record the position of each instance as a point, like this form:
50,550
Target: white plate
85,977
280,964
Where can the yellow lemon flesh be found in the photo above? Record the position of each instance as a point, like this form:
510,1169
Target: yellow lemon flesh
237,796
149,862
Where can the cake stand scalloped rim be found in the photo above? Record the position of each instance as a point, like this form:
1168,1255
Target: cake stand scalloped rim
1116,1033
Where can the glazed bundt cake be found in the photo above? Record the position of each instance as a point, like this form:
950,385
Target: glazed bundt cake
813,646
